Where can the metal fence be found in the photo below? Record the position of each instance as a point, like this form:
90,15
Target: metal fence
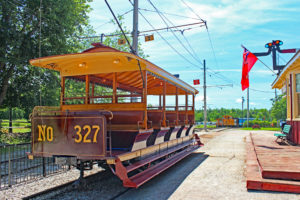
16,168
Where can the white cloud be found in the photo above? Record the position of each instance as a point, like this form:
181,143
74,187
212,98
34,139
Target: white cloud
232,15
238,100
199,98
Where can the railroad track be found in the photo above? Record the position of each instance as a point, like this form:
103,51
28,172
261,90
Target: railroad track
91,183
70,186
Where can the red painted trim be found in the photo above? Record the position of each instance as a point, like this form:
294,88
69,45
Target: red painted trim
121,172
281,175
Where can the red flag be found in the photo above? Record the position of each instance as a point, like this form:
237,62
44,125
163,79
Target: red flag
249,60
197,82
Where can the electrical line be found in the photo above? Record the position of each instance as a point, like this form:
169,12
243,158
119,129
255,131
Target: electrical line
210,40
182,56
208,34
168,13
182,33
111,20
215,74
193,11
161,16
260,90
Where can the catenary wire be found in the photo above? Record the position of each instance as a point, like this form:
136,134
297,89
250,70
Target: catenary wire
111,20
180,42
182,56
171,14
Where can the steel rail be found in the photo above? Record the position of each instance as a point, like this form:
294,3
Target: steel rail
58,189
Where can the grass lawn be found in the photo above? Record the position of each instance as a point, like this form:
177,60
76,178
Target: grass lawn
20,126
208,126
262,129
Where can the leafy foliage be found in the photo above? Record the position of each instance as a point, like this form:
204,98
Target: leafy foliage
278,110
214,114
62,22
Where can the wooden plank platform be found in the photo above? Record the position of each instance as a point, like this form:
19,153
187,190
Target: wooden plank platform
268,163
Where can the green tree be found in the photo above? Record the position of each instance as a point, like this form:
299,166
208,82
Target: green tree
20,38
278,110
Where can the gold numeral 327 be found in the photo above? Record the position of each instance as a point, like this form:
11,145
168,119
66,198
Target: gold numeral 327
82,133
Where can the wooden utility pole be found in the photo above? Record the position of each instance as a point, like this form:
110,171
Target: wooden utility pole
204,95
135,31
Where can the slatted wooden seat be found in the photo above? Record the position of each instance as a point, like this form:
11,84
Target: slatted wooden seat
285,132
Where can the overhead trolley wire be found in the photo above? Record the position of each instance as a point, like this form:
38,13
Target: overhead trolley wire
260,90
161,16
208,33
193,11
174,49
171,14
182,33
111,20
215,74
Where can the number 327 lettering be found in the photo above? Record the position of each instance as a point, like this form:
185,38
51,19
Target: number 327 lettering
83,136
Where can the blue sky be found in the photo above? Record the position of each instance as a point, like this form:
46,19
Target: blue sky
231,23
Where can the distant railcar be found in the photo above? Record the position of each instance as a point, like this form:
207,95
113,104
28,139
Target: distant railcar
104,116
227,121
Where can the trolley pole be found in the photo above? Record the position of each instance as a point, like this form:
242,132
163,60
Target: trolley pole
135,31
204,95
247,107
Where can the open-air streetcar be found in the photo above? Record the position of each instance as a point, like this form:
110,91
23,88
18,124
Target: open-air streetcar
104,116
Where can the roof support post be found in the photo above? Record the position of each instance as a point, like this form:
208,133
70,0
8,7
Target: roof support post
176,108
193,108
160,101
62,91
164,103
87,89
93,92
145,99
114,100
186,107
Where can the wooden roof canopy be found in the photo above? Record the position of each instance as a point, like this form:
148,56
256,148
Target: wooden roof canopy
293,64
102,61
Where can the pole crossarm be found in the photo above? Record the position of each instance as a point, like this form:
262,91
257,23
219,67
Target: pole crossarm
200,86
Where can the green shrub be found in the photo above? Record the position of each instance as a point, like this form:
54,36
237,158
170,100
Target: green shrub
260,123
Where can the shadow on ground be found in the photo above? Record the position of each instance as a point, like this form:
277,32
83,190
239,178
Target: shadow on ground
164,185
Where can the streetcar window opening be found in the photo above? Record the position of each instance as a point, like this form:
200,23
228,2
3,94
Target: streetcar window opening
100,93
74,90
128,97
